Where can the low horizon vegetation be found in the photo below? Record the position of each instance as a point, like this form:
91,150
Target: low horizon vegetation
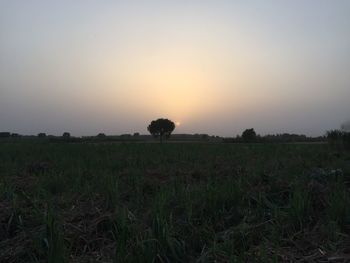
279,137
163,128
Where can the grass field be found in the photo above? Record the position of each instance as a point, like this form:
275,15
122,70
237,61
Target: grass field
128,202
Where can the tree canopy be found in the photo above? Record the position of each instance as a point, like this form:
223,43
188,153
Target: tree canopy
249,135
66,135
161,128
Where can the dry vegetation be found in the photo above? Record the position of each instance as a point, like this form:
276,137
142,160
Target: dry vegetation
129,202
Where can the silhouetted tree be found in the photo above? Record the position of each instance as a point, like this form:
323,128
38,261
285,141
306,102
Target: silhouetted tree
249,135
339,138
66,135
101,135
42,135
334,136
136,134
161,128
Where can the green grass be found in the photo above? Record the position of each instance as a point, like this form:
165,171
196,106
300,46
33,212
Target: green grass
126,202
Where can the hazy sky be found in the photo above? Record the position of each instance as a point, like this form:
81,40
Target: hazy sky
216,67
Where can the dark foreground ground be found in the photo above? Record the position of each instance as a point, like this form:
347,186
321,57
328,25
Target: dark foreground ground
173,203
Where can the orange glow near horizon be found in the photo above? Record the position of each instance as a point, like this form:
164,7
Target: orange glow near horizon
169,85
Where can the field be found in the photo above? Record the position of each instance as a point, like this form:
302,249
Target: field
176,202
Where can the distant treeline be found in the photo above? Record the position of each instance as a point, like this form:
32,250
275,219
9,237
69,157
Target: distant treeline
9,134
136,137
276,138
248,135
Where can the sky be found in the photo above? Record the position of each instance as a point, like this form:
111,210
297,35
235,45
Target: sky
215,67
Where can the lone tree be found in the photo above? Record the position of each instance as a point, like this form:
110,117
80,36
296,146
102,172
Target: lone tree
249,135
42,135
66,135
161,128
101,135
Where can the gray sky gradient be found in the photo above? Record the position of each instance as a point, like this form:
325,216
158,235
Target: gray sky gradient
216,67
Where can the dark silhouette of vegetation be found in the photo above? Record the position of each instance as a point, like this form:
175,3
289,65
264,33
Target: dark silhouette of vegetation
66,135
278,138
101,135
42,135
5,134
334,136
161,128
346,140
249,135
339,139
172,204
287,137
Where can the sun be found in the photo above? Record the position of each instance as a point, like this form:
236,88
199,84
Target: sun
177,123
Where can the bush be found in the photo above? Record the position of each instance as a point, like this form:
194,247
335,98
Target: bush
339,138
249,135
66,135
101,135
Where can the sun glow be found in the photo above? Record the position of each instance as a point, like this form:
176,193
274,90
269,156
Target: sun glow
171,86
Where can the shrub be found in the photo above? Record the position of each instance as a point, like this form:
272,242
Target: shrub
66,135
101,135
249,135
339,138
